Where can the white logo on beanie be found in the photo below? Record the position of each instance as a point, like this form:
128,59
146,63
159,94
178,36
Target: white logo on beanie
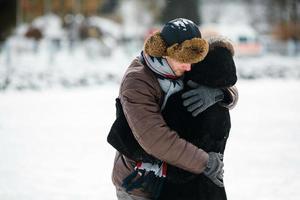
181,24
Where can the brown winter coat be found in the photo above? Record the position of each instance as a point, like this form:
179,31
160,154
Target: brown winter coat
141,98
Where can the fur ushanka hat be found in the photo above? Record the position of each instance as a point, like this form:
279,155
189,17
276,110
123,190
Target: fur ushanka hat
218,69
179,39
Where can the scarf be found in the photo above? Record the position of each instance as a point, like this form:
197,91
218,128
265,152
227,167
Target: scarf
151,176
166,77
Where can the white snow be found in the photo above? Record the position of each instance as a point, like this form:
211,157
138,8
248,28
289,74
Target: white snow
92,63
28,64
53,140
107,26
53,143
51,25
81,65
268,66
233,32
136,18
225,12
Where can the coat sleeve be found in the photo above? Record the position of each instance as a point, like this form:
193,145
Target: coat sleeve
230,98
142,111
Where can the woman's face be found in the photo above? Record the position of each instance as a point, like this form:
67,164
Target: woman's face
178,67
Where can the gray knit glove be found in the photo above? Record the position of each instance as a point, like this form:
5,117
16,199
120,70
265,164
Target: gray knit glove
201,97
214,169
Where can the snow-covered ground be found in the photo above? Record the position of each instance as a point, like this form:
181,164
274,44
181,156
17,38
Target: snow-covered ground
57,61
53,143
83,65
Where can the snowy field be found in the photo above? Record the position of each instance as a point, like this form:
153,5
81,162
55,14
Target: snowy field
53,143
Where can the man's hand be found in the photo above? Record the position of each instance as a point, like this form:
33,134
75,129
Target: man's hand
201,97
214,170
150,177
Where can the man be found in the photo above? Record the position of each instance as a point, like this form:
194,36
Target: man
145,88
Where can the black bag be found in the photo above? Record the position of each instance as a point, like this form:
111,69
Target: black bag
123,140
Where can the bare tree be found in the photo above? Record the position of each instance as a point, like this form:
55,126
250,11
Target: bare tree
177,8
284,15
8,17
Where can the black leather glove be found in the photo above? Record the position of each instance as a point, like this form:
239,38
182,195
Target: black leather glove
214,170
201,97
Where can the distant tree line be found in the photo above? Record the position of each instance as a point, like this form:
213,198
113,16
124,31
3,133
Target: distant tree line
7,17
282,15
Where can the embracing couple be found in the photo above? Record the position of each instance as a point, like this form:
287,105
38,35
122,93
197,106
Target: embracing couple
173,117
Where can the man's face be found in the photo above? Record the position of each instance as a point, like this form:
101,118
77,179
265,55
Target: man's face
178,67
